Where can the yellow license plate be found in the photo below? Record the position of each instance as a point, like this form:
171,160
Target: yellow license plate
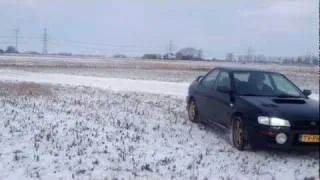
310,138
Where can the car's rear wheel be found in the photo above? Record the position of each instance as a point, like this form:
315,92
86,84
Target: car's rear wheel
193,111
238,133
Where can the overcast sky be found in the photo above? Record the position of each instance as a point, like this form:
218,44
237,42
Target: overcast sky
270,27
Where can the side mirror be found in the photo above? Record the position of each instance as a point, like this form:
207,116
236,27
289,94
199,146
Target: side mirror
224,89
199,78
306,92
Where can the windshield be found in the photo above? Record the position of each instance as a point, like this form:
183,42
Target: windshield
264,84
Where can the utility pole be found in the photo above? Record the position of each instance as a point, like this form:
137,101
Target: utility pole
45,41
170,46
249,55
17,38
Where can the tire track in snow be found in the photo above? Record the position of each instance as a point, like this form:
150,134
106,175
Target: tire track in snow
116,84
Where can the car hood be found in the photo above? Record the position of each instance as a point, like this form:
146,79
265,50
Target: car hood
286,108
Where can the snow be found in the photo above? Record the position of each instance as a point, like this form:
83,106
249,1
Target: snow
123,124
314,96
117,84
88,133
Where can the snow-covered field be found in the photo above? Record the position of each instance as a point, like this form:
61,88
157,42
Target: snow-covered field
106,119
306,77
156,87
118,84
64,132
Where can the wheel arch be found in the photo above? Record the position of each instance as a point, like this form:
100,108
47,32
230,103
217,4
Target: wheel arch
235,114
191,98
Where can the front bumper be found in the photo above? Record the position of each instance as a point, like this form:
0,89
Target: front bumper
265,136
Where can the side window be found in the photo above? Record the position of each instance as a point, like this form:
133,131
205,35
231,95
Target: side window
284,85
224,80
267,82
210,79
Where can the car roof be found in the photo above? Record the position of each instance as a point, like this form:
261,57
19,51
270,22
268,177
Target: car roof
244,69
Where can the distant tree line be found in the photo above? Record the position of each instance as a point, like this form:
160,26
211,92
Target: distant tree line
306,59
10,49
191,53
13,50
188,53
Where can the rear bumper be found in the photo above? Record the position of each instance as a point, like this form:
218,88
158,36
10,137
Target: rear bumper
265,136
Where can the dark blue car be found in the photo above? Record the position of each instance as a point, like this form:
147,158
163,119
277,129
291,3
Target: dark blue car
260,108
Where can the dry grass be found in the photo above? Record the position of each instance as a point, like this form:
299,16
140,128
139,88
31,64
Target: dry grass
41,62
25,88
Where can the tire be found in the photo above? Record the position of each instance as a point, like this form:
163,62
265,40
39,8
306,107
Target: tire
238,133
193,111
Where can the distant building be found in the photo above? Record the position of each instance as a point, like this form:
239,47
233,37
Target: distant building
31,52
119,56
64,54
169,56
152,56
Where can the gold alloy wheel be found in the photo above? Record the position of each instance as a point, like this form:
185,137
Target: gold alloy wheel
192,111
238,134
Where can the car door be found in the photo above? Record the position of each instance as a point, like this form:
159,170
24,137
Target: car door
219,101
204,90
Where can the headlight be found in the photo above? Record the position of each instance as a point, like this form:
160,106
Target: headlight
273,121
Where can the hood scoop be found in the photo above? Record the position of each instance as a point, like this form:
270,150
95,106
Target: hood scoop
269,105
288,101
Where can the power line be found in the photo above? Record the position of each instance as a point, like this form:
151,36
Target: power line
7,37
111,49
105,46
29,37
20,37
10,42
83,44
96,44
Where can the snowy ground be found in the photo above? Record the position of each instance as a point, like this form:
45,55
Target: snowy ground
52,132
306,77
118,84
129,121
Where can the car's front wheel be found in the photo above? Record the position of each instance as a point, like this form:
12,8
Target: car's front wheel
238,137
193,111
